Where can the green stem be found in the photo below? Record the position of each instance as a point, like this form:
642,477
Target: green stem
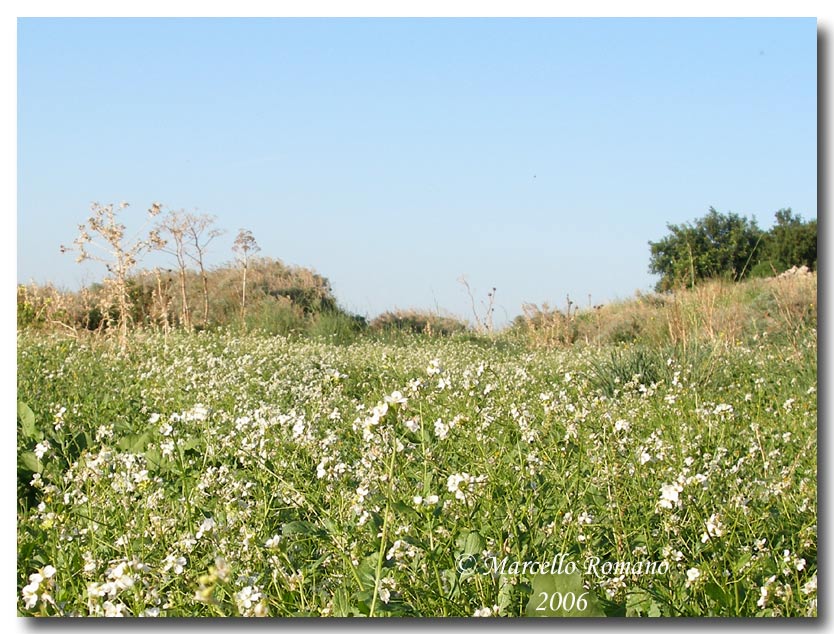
384,537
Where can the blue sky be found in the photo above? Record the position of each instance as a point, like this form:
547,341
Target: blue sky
538,156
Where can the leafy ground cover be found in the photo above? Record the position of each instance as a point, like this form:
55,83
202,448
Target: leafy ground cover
217,474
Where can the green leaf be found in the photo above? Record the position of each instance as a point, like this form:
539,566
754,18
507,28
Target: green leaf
505,595
562,595
27,421
366,571
402,507
193,442
474,544
716,593
299,527
134,443
638,603
31,462
470,543
342,604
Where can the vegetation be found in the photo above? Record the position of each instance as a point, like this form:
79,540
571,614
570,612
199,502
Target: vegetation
791,242
308,478
730,246
417,322
275,455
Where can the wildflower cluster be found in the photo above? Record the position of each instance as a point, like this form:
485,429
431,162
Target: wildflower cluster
216,474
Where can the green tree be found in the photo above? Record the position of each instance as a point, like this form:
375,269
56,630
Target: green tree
717,245
790,242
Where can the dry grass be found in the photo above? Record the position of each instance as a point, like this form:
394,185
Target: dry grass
715,311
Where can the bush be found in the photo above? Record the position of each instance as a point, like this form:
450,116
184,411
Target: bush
717,245
417,322
338,326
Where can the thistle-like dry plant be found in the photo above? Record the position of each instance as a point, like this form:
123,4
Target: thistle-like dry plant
483,323
244,247
106,234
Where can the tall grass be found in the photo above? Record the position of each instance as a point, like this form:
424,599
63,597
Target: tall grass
714,312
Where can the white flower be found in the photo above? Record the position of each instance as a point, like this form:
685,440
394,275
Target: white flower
692,576
434,367
453,483
385,586
298,429
30,591
119,576
362,492
177,563
273,541
114,609
198,412
396,398
669,495
41,448
412,425
153,419
247,596
622,425
463,483
441,429
723,408
714,528
764,591
49,571
670,553
483,612
206,527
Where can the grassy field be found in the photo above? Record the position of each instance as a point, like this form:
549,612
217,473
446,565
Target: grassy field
219,474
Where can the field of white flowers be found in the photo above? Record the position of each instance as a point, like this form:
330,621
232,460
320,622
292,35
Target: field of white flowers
218,474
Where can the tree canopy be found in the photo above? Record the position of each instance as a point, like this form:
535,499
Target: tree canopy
731,246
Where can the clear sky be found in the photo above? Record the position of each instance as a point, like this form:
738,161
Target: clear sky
538,156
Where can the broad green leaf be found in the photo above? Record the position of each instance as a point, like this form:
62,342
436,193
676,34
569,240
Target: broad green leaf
470,543
27,420
402,507
341,603
31,462
505,595
134,443
299,527
716,593
192,443
638,603
552,592
366,571
474,544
